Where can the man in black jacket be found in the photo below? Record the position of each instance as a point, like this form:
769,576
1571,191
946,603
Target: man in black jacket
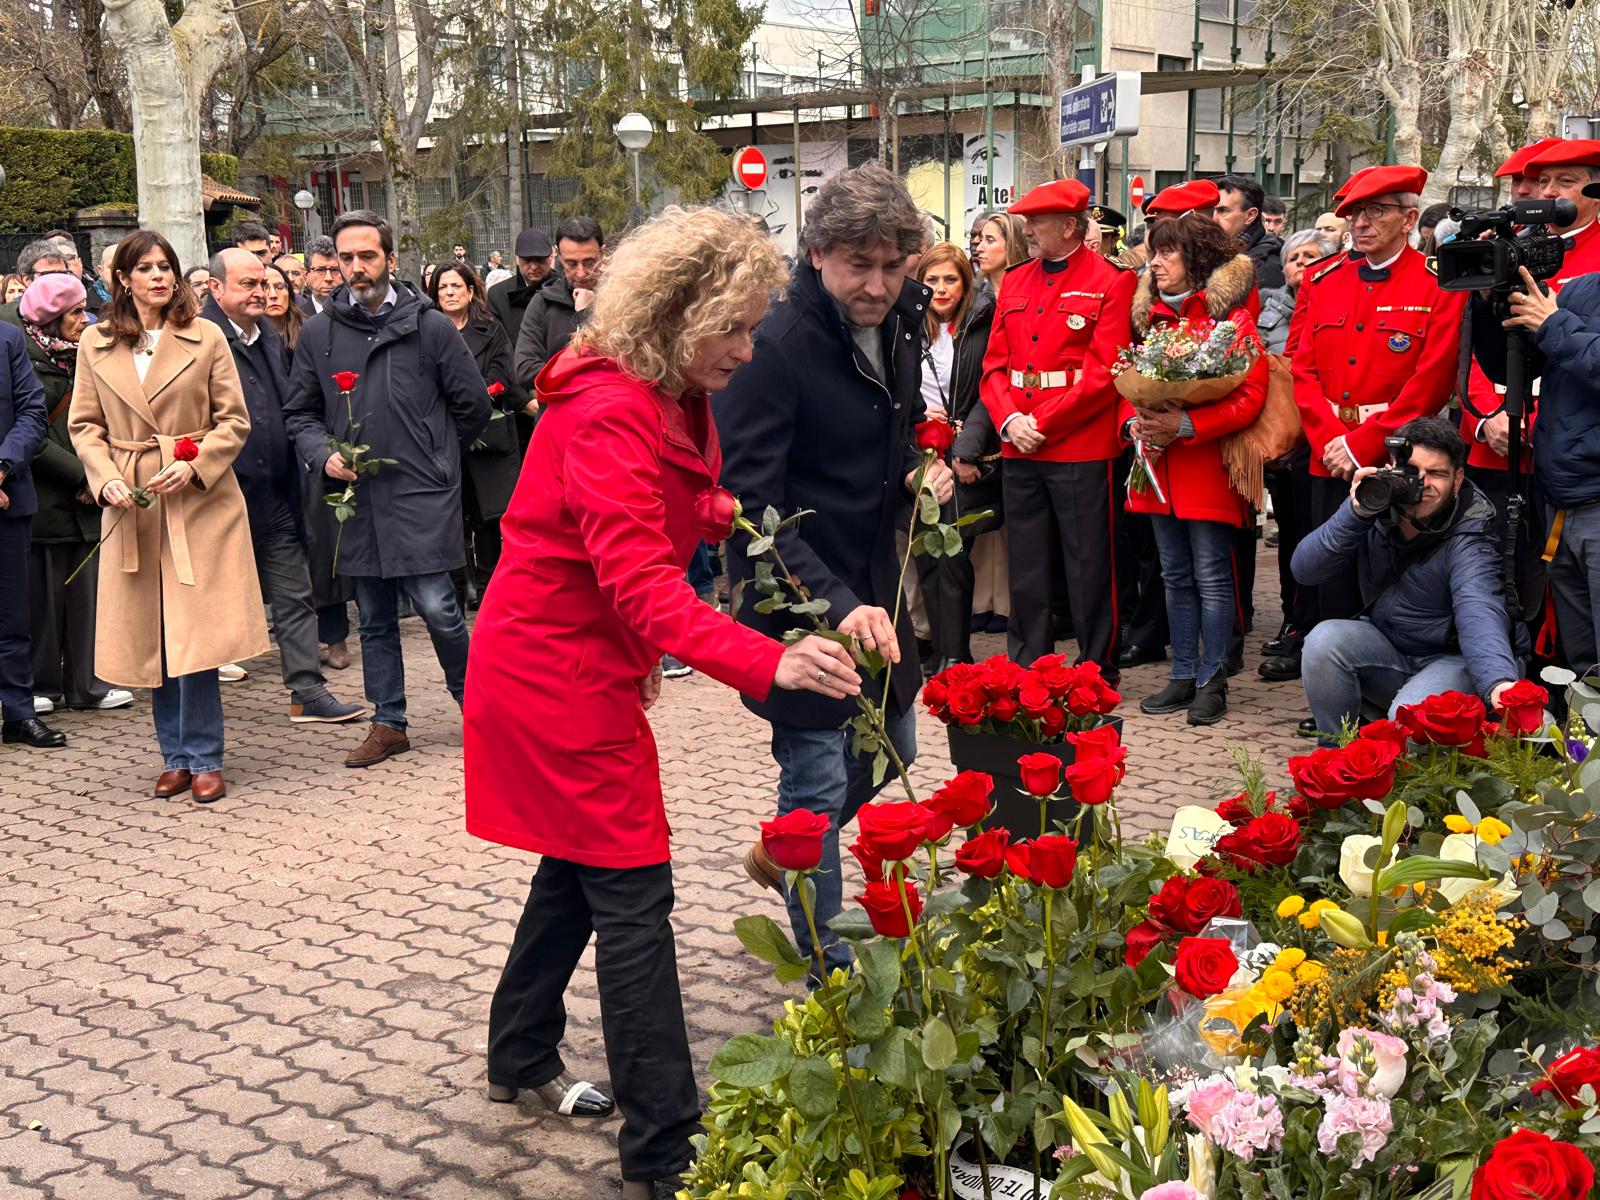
822,418
1240,214
555,312
509,298
415,398
269,476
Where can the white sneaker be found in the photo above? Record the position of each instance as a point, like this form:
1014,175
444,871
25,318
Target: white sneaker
232,673
116,698
43,704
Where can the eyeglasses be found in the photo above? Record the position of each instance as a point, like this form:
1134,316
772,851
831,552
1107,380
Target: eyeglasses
322,270
1374,211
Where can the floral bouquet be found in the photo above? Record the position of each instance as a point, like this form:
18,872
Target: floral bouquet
1042,703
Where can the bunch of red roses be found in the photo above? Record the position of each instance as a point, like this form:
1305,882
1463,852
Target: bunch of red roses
1182,907
1037,704
1099,764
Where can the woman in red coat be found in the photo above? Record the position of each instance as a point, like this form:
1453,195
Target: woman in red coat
619,487
1196,274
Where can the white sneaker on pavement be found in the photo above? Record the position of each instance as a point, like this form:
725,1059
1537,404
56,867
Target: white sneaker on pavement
43,704
232,673
115,698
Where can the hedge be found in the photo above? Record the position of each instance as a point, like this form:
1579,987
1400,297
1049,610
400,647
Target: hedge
51,173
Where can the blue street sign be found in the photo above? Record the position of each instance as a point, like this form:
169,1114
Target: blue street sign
1102,109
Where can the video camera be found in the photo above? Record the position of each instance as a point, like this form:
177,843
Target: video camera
1396,487
1473,263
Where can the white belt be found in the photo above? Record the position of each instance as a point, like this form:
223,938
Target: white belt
1044,379
1357,414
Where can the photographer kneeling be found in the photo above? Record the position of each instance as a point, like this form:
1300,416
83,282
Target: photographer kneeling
1421,542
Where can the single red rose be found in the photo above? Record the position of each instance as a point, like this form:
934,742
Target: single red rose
1522,707
935,695
984,854
184,450
1035,699
1053,674
1047,861
1054,721
1186,904
794,841
1270,840
966,703
1041,773
1140,940
345,381
1478,747
885,910
1566,1076
1235,810
871,864
497,389
1385,731
1204,966
1448,719
966,799
936,435
1298,808
1093,781
1093,695
1531,1166
716,509
893,831
1003,709
1100,742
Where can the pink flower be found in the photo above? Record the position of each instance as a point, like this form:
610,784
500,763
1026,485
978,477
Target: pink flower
1172,1191
1379,1057
1248,1125
1368,1116
1206,1099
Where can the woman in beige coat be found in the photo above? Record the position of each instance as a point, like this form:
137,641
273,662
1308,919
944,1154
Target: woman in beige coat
178,590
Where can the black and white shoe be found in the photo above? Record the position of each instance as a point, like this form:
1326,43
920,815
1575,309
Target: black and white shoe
568,1096
673,669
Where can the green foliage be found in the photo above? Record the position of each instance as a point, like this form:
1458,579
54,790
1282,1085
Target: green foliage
224,168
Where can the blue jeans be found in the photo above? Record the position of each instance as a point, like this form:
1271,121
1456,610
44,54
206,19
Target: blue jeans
1346,663
1197,570
816,771
701,578
188,716
383,668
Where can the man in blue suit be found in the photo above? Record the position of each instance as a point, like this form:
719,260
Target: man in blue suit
23,424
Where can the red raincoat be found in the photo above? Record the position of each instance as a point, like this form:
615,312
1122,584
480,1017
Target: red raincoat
588,593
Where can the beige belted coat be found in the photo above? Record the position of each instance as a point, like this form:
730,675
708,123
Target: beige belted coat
180,574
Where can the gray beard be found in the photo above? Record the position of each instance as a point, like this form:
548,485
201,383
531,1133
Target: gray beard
373,293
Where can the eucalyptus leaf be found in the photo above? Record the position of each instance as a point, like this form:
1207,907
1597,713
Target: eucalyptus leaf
1467,808
1558,676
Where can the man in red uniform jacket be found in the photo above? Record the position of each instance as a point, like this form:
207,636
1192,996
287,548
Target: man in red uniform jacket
1373,344
1059,322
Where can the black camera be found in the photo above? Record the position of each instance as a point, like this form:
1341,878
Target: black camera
1399,486
1473,263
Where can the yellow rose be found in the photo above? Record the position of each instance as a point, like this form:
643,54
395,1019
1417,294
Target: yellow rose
1277,985
1456,823
1289,959
1291,906
1492,830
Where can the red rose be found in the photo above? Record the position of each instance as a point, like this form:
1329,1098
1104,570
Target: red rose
1478,747
935,695
345,381
1270,840
1236,809
1522,706
184,450
1003,709
1041,773
715,509
935,434
1047,861
1035,699
1052,673
1054,721
1093,781
885,909
1530,1166
1332,777
1204,966
1385,731
893,831
1448,719
794,840
1001,676
1185,904
966,703
1100,742
1566,1076
965,800
497,389
1140,940
984,855
1092,695
871,864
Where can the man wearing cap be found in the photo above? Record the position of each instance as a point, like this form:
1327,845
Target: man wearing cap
1566,171
509,298
1373,345
1059,323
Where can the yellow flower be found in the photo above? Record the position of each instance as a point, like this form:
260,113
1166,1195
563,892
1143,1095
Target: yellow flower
1312,917
1277,985
1291,906
1289,959
1309,972
1492,829
1456,823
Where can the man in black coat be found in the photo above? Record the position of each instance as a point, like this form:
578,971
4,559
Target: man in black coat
509,298
1240,214
269,476
416,398
555,311
822,418
23,423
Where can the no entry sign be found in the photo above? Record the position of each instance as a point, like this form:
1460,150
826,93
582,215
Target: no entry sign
750,168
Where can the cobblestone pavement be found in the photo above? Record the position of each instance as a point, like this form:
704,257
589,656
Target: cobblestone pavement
284,995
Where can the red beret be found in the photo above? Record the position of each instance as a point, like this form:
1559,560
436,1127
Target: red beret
1186,197
1349,183
1058,196
1380,181
1567,152
1517,165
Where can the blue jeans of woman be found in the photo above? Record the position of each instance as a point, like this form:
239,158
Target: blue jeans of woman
188,716
1197,571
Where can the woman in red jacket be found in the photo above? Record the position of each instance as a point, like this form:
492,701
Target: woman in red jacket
619,487
1197,274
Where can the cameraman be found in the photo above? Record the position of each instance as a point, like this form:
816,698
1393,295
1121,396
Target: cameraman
1433,617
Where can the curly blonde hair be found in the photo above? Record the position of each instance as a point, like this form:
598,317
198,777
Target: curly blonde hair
681,277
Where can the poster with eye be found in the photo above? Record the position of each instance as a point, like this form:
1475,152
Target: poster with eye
774,203
983,191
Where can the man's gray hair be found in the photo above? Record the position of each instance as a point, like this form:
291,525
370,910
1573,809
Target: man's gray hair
1325,244
36,252
322,245
864,206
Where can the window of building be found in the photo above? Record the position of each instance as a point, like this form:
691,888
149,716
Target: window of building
1171,63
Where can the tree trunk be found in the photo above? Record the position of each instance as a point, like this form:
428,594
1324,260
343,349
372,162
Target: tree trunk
514,167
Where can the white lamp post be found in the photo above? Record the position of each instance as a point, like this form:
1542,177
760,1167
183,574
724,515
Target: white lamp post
634,131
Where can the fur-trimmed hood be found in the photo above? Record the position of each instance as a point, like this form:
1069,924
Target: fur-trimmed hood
1227,288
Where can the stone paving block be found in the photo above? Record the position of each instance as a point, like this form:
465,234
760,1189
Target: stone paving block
93,1182
189,1178
124,1146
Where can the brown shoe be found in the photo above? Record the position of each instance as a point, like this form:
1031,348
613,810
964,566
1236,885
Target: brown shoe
171,783
338,656
382,742
762,869
208,786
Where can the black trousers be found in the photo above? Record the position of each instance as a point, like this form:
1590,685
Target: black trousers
1290,487
1340,599
1144,599
1530,565
16,661
641,1010
1081,497
62,623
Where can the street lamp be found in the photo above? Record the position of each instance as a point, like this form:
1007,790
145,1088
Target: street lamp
634,131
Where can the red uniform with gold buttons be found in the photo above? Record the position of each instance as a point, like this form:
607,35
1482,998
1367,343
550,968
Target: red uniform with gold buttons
1057,329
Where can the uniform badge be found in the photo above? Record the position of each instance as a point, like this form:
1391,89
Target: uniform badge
1400,343
1076,321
